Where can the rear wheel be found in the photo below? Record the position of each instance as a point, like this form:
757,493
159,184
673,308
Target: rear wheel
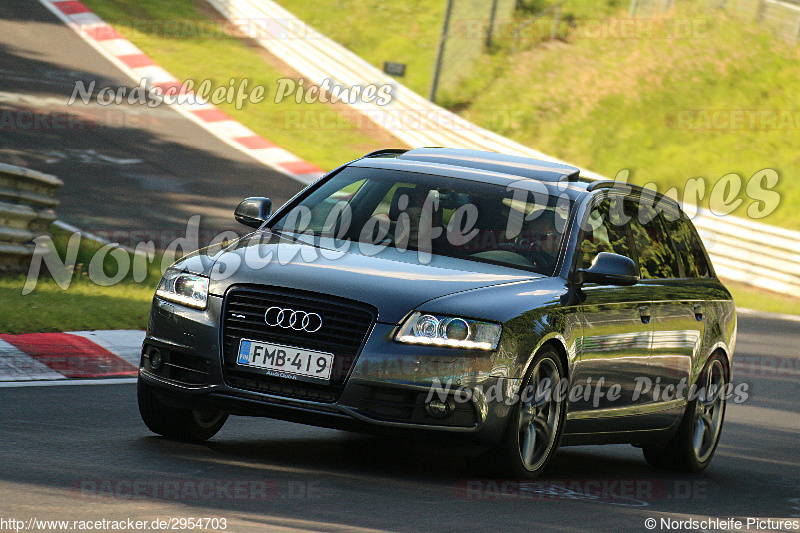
536,422
693,446
192,425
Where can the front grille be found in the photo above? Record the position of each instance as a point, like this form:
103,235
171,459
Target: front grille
345,326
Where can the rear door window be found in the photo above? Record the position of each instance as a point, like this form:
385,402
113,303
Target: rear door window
657,259
688,246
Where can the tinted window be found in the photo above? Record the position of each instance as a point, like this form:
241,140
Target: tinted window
656,256
604,231
688,246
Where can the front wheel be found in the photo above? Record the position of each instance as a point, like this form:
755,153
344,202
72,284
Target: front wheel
695,442
536,422
191,425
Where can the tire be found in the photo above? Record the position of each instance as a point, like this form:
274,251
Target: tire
187,425
536,421
693,445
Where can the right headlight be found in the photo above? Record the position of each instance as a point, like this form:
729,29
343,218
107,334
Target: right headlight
184,288
449,331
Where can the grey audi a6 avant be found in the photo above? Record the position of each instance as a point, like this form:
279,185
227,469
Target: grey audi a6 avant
495,301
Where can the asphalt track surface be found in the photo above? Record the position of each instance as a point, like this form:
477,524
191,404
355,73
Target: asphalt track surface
75,452
124,167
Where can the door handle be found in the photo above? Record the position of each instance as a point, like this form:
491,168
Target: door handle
644,314
698,312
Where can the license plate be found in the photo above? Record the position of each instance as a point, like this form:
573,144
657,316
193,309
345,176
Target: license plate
277,359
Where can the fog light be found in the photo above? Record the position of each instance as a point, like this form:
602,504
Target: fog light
155,359
439,408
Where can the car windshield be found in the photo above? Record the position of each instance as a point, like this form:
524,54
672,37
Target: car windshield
519,225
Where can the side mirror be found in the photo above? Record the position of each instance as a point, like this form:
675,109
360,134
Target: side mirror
609,269
253,211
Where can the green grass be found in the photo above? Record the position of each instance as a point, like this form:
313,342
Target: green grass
404,32
761,300
409,32
609,104
602,102
192,47
83,305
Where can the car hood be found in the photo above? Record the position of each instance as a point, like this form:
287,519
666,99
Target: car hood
395,283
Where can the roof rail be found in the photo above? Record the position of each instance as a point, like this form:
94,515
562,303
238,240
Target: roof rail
386,151
600,184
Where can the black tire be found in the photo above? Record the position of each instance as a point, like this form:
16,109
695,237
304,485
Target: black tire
680,453
507,457
187,425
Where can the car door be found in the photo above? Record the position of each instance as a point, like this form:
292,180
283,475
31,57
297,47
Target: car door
617,332
689,310
676,311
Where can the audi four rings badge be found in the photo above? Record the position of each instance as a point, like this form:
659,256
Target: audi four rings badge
292,319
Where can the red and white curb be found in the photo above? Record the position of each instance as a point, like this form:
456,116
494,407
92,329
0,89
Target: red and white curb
137,65
75,357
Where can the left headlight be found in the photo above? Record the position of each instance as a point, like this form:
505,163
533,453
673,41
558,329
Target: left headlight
449,331
186,289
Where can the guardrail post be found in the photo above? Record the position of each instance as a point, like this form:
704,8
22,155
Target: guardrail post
490,29
437,68
797,31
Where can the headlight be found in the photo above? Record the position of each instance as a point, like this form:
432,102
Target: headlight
184,288
449,331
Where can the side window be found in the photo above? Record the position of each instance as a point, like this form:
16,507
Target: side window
688,246
657,260
604,231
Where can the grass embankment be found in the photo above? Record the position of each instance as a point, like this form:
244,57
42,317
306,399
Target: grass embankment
409,32
608,96
762,300
83,305
190,46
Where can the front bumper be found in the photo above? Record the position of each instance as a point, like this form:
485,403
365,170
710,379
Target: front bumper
386,390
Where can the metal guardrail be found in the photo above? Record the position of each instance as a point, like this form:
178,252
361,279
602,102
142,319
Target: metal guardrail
756,254
27,199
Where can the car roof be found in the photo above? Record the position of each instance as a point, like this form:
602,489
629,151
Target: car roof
492,167
477,165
